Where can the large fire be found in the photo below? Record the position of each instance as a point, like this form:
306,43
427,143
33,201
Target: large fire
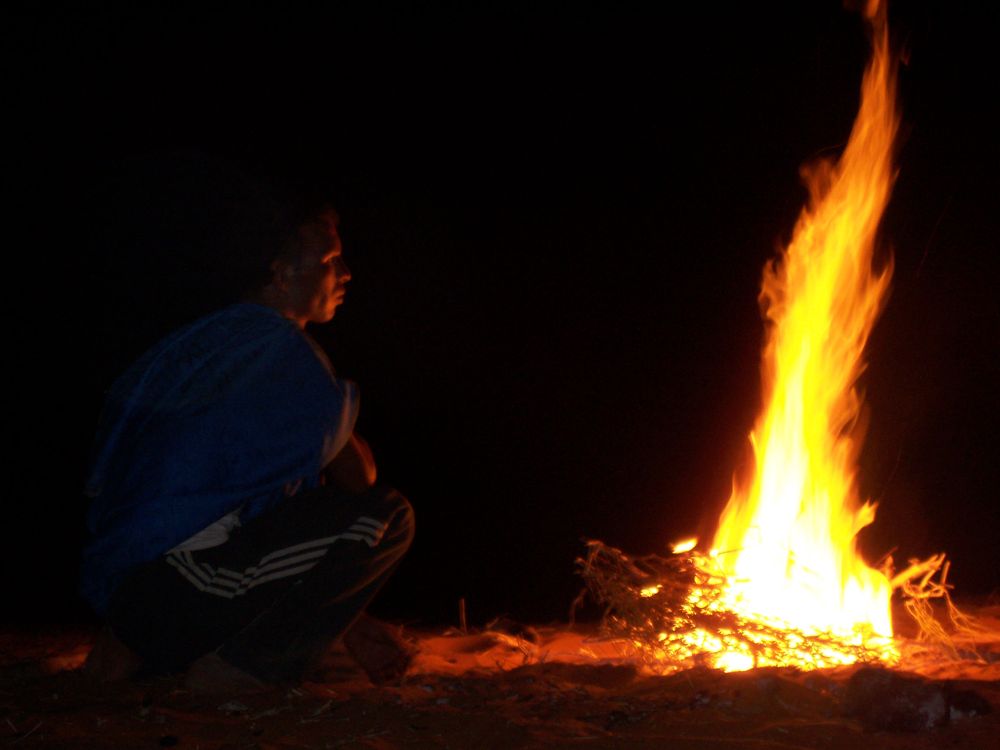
786,540
784,583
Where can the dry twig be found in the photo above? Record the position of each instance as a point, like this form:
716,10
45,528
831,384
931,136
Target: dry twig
924,581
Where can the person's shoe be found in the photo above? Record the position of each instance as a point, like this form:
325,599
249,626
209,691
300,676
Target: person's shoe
378,649
110,660
213,675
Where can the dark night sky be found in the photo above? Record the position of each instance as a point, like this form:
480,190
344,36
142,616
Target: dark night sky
556,222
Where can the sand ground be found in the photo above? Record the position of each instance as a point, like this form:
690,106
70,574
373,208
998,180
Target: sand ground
547,687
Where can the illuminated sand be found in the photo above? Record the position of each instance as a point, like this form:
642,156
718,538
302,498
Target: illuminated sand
489,690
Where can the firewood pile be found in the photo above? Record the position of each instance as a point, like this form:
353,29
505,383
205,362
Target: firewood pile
669,613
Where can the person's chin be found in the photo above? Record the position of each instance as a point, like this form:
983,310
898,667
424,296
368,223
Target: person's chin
331,312
319,317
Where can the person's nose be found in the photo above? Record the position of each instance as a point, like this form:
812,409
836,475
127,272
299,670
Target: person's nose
343,272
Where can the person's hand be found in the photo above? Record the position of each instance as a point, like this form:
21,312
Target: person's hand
353,469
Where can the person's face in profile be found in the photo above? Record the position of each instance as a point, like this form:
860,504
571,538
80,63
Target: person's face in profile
316,279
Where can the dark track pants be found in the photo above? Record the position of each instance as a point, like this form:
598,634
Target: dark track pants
280,590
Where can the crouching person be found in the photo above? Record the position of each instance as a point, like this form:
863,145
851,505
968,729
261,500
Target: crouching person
236,526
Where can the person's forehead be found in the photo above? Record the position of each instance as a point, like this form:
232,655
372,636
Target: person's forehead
316,241
328,223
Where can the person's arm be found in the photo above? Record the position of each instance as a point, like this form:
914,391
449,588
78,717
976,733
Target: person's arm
353,469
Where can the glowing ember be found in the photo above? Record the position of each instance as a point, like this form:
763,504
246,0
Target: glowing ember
686,546
785,545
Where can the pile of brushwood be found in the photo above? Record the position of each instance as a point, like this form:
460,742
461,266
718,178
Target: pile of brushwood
668,612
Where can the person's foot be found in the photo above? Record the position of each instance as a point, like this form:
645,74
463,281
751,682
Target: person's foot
378,649
110,660
213,675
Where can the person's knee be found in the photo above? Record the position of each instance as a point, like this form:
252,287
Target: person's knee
402,523
394,514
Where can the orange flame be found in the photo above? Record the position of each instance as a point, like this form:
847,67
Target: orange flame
786,542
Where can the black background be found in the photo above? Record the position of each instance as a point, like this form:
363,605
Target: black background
556,221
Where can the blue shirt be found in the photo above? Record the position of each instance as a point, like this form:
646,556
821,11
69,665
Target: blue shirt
240,409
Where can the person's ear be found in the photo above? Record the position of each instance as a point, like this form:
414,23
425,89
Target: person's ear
281,274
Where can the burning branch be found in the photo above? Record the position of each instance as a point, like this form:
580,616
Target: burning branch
924,569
